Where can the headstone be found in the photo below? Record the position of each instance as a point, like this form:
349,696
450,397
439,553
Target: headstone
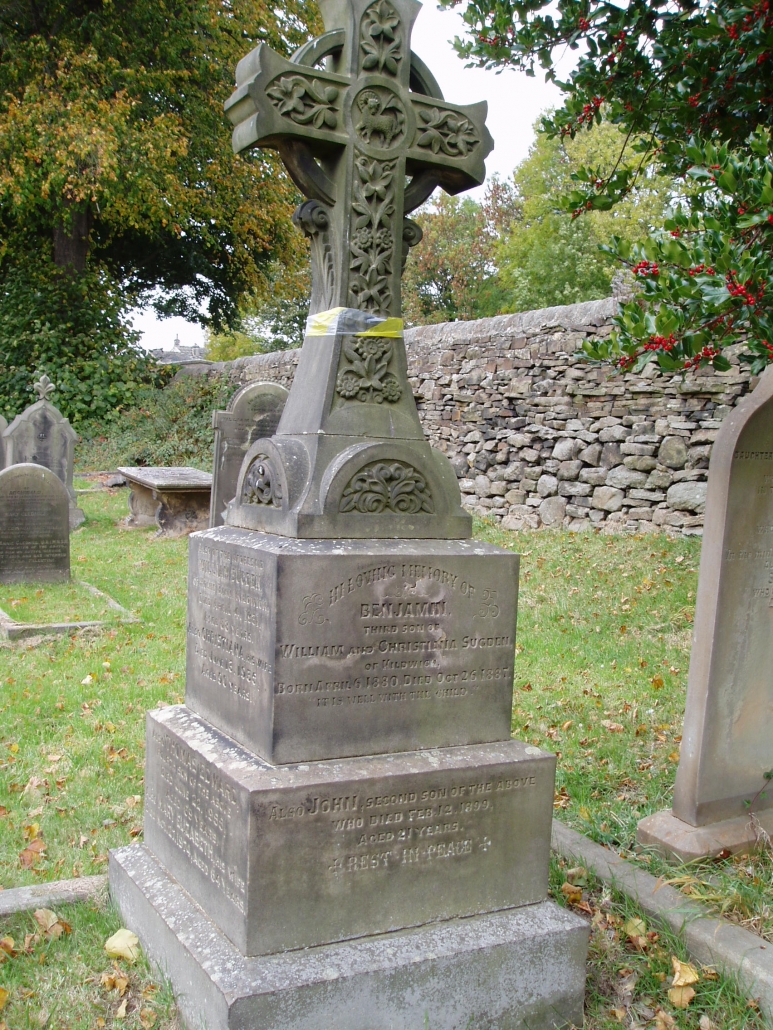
175,499
339,830
727,744
34,526
252,412
43,436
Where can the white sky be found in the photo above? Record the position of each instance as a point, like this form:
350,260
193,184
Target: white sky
515,101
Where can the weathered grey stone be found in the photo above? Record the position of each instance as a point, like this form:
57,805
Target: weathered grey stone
566,449
596,477
622,478
647,495
175,499
610,455
614,434
482,486
552,511
591,454
569,489
607,498
498,489
673,452
569,469
640,463
659,479
727,746
547,486
252,412
631,448
34,525
41,435
687,496
363,841
305,651
522,969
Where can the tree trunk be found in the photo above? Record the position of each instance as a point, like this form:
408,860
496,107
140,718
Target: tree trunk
71,241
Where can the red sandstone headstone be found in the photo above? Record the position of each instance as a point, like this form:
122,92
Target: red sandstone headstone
727,744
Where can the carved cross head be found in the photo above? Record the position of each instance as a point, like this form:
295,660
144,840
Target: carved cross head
367,137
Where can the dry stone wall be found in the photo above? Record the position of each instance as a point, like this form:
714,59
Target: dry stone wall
538,437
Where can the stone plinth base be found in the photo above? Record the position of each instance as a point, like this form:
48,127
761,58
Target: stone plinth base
522,969
685,843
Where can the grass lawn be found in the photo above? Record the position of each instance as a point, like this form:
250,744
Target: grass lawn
55,602
604,636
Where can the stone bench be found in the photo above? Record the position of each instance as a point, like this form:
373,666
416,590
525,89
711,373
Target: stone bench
176,500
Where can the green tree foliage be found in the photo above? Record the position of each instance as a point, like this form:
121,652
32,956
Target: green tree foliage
270,320
688,82
451,274
549,258
116,161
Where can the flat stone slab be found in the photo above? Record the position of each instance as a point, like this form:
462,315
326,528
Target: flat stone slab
46,895
10,629
174,499
307,650
296,856
523,969
678,840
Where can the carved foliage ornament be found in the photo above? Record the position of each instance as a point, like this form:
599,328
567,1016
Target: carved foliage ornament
372,239
387,486
261,484
447,132
305,102
381,38
43,388
366,377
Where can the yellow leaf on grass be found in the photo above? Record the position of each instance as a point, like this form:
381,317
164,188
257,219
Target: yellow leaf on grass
48,922
680,997
147,1018
658,682
4,995
635,927
612,727
684,973
123,944
664,1020
571,893
121,1010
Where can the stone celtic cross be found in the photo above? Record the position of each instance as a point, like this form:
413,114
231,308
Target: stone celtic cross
349,134
367,137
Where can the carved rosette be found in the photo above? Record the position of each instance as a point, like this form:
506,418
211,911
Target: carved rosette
366,377
261,483
387,487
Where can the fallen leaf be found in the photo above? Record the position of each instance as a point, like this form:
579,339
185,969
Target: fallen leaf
674,757
664,1020
123,944
705,1023
33,853
619,1014
684,973
578,876
121,1010
3,811
87,680
4,996
658,682
680,997
8,947
571,893
612,727
147,1018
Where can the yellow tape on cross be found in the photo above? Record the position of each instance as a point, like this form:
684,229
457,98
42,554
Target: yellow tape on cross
353,322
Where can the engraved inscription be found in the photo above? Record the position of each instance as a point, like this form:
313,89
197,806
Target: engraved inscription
194,806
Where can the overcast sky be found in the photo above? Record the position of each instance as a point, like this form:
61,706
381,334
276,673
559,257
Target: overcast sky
515,101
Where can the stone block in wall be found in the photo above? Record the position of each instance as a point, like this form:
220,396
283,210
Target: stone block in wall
591,455
614,434
647,495
687,496
640,462
673,452
596,477
547,486
610,455
659,479
569,469
552,511
566,449
607,498
574,489
623,478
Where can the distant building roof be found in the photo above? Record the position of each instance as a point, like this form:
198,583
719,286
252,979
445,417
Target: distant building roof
179,354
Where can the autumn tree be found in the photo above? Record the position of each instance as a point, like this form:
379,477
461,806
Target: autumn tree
548,257
117,179
451,275
688,83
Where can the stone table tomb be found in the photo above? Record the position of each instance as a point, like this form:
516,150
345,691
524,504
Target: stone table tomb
176,500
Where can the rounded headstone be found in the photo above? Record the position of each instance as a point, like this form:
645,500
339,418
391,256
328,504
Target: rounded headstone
34,525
